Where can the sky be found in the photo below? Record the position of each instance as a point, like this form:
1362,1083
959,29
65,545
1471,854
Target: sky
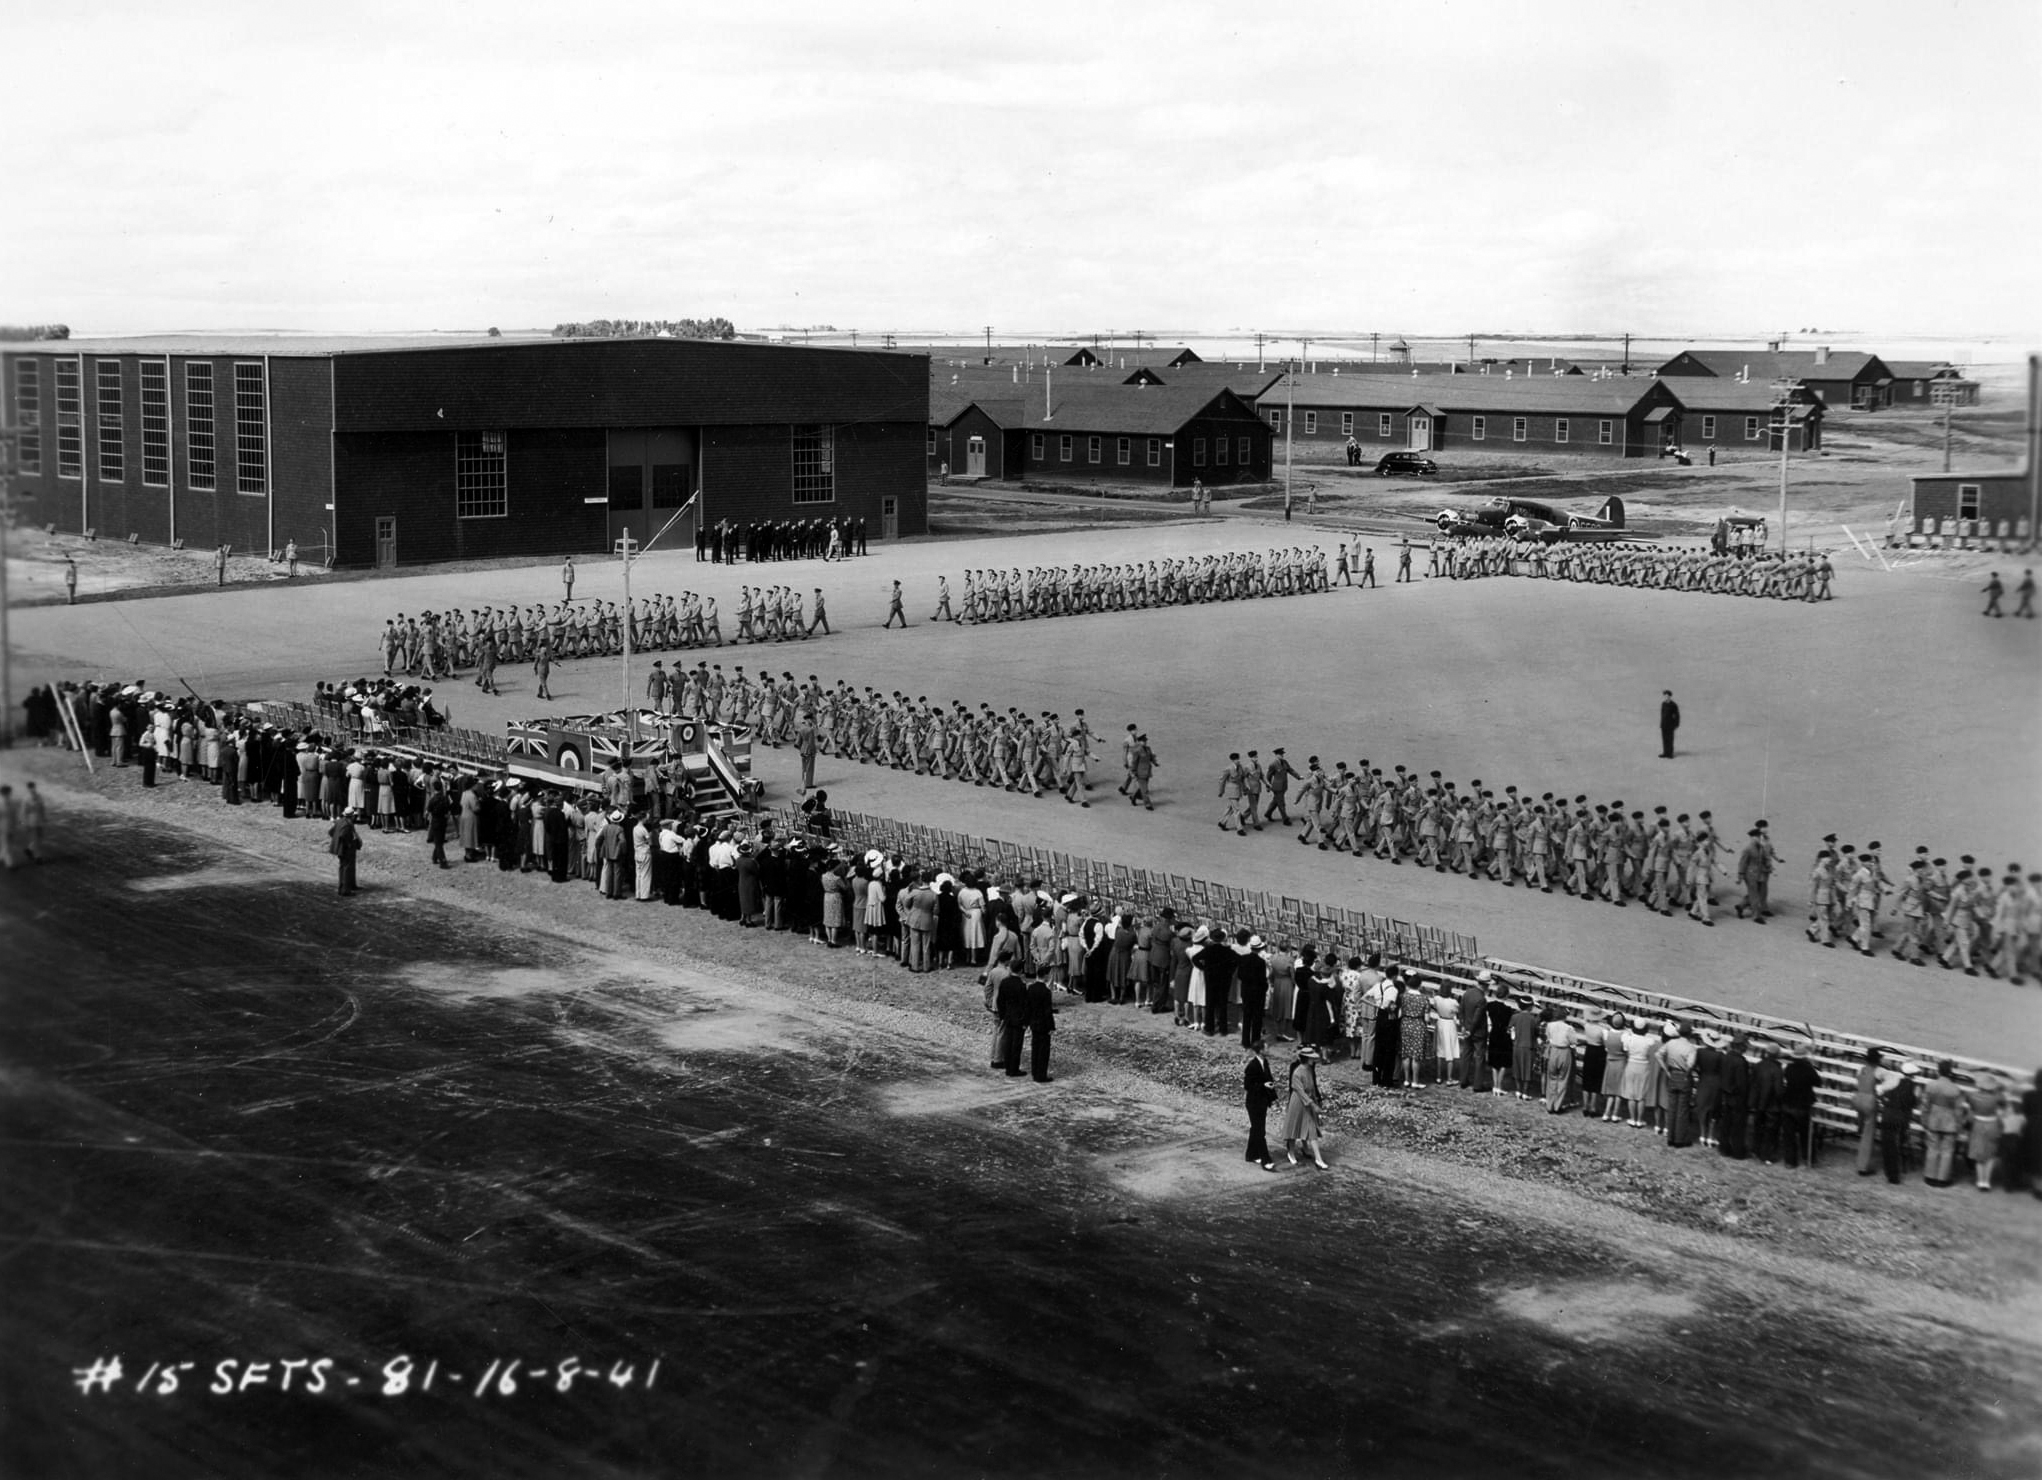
1429,167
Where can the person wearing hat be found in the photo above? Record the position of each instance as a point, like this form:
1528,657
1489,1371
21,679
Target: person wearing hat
1302,1111
1768,1087
1669,722
1942,1119
1982,1117
343,842
1278,777
1251,978
1798,1081
1231,784
1897,1096
1041,1026
1258,1086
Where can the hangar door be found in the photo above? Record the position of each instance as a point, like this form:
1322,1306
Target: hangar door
652,473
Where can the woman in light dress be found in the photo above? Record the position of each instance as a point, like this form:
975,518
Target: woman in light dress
1201,942
641,857
1637,1045
1302,1112
971,900
1446,1035
1613,1066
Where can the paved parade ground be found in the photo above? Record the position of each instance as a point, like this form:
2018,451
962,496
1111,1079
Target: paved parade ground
1892,713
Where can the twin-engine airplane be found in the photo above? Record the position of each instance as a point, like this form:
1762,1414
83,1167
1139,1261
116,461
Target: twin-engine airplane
1527,519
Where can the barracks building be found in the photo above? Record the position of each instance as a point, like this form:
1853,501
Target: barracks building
380,450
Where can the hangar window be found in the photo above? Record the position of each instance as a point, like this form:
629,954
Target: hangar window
815,465
251,430
670,485
28,415
156,423
1311,423
70,421
1560,429
481,476
1520,428
198,423
1155,452
1967,500
113,461
1478,429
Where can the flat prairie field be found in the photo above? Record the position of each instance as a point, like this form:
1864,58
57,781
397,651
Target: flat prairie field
1893,713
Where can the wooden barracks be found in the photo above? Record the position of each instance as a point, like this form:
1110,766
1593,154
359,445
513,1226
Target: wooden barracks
380,450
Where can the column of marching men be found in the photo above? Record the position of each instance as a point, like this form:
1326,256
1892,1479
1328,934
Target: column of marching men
1059,590
1664,862
1790,577
435,645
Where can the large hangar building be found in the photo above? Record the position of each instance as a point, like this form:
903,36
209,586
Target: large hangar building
376,451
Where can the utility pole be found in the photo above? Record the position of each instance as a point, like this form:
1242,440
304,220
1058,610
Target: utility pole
1471,353
624,548
1259,364
1372,347
989,344
1783,409
1289,419
9,444
1627,354
1946,434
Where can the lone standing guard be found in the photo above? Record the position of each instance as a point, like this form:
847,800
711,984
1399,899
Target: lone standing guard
1669,721
567,576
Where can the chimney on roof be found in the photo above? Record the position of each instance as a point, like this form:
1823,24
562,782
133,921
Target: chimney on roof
1048,405
1822,354
1509,374
1336,369
1017,374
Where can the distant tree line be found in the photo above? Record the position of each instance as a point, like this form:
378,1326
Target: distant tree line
635,328
35,331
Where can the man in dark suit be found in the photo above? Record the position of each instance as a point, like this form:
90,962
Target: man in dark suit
1010,1001
1219,962
1259,1087
1669,721
1797,1104
1475,1032
1252,972
1041,1023
1768,1086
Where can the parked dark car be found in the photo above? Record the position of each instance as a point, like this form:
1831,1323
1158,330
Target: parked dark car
1416,463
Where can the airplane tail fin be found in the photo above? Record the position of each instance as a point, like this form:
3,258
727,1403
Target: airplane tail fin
1612,510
